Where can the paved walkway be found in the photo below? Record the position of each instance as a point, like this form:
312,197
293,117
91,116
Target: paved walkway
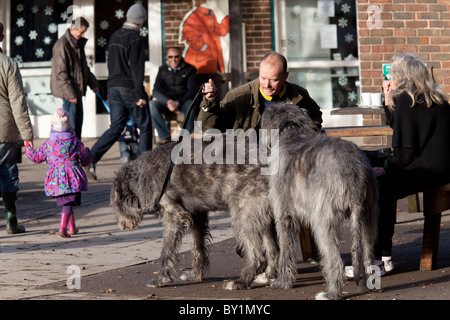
40,256
116,264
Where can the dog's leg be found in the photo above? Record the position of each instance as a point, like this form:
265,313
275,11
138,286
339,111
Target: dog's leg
327,240
199,251
287,268
271,251
174,229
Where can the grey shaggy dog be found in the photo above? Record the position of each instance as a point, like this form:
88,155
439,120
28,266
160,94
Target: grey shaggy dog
321,182
192,192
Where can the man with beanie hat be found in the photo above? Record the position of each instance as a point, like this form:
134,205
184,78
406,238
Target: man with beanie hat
126,93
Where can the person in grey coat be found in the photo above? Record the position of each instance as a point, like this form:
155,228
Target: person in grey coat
70,75
14,123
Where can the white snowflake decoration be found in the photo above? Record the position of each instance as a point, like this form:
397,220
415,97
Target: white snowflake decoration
345,8
19,40
120,14
20,22
52,28
102,42
104,25
64,16
18,58
144,32
19,7
47,40
352,96
35,9
33,34
48,11
348,38
343,81
342,22
39,53
296,10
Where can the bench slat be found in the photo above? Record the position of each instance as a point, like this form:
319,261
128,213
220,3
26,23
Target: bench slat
358,131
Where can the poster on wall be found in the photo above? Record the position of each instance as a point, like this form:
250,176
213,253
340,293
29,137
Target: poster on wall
204,31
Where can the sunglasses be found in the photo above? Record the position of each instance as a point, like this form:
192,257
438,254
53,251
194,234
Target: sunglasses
173,57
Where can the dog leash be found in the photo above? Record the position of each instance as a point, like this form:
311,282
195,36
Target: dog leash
103,101
157,206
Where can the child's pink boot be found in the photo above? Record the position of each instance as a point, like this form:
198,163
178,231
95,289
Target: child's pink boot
72,227
63,225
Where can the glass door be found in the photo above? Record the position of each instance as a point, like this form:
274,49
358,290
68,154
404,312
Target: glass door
319,39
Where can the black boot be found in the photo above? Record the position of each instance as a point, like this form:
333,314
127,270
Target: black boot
12,227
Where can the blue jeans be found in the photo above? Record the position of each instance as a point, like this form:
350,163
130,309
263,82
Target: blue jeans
157,108
122,102
76,114
9,172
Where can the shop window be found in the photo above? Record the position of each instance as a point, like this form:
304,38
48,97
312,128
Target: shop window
34,30
109,17
322,49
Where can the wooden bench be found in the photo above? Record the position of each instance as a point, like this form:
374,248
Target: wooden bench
435,201
358,131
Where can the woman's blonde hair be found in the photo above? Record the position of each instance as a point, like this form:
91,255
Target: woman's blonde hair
411,75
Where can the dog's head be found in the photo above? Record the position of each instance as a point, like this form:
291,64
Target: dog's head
282,115
285,116
124,197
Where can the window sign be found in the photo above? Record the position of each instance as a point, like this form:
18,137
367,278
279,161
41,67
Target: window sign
109,17
34,30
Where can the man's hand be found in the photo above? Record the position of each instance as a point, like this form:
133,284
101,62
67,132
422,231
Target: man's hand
209,90
172,105
141,103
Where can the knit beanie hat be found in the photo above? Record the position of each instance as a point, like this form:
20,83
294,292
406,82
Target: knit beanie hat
60,120
137,14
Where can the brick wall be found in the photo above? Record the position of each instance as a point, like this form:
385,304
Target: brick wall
421,27
255,15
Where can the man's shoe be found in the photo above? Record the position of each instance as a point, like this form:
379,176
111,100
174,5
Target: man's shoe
90,172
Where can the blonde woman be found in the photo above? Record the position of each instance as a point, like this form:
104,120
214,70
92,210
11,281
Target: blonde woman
420,141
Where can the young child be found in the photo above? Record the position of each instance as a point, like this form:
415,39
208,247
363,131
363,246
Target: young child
128,141
65,155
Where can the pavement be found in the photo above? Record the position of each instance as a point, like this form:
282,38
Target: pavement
102,262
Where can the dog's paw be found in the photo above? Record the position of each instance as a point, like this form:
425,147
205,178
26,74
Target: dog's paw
234,285
277,284
326,296
321,296
190,275
262,279
157,283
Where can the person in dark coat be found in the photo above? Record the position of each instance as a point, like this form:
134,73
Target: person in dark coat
175,87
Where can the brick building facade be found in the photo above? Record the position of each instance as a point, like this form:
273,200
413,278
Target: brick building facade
335,48
421,27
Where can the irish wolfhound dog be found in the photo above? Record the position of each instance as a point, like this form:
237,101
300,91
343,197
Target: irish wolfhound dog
192,191
321,182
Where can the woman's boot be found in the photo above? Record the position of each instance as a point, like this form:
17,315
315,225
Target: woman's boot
12,227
